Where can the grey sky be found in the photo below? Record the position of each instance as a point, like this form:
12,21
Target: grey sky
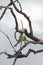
34,9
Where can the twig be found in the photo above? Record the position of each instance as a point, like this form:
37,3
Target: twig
16,43
19,5
5,54
14,18
35,52
14,61
4,11
8,39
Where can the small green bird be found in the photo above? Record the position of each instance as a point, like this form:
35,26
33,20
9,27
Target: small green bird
24,39
20,38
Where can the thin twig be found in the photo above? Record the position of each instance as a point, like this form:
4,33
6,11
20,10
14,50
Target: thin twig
35,52
5,53
4,11
8,39
19,5
15,18
14,61
16,43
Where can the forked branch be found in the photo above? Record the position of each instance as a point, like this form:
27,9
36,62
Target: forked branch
18,54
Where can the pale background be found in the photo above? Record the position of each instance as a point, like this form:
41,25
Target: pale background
34,9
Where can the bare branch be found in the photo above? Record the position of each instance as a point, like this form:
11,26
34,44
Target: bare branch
35,52
14,61
4,10
19,31
19,5
15,19
8,39
31,31
27,34
3,13
32,37
17,2
5,53
11,2
19,54
31,50
16,43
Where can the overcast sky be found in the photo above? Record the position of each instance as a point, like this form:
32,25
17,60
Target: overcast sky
34,9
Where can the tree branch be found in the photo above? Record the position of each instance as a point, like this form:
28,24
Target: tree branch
31,31
14,61
18,54
4,11
14,18
8,39
9,55
31,50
